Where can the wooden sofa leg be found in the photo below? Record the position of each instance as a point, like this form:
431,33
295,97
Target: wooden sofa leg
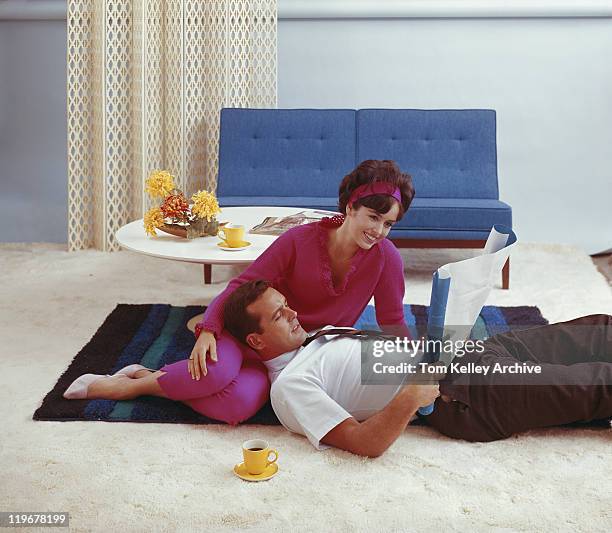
506,275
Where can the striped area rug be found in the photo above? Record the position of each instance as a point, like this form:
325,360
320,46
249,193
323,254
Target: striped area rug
156,334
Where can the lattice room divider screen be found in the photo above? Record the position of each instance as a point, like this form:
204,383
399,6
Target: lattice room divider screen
146,81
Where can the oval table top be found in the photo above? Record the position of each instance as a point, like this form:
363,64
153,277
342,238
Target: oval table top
132,237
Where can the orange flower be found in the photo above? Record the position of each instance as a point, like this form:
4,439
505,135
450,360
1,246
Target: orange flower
176,206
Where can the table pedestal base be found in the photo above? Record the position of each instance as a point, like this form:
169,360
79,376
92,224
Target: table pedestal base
207,274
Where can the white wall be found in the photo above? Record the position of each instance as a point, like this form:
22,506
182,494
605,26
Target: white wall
550,80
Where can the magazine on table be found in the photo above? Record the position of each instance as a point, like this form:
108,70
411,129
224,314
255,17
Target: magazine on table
278,225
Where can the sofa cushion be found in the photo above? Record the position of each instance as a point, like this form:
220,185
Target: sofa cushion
449,214
449,153
284,152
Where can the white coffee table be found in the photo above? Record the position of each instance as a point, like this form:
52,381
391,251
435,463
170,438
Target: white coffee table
204,250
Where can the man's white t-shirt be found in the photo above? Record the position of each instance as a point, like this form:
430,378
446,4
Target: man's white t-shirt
316,387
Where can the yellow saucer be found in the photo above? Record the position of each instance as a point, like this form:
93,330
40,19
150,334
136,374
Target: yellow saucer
241,471
224,246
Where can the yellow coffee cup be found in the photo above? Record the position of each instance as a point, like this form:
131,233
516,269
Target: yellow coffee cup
232,234
256,453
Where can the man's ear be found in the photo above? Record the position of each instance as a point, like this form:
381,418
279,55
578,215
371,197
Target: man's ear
255,341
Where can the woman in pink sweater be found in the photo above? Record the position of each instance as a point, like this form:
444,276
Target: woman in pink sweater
327,270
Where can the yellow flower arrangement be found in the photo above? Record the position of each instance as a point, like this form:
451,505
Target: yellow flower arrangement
205,205
154,218
159,184
173,215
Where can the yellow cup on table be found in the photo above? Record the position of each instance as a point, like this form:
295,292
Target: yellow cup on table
256,453
232,234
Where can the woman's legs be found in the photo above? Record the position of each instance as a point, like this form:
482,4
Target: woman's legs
175,381
233,390
178,384
238,401
122,387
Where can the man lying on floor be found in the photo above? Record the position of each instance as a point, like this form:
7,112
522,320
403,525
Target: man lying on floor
317,388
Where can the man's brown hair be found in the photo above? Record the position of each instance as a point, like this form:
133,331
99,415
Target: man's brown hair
238,321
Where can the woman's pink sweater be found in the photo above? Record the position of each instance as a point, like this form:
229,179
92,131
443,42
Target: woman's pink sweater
298,265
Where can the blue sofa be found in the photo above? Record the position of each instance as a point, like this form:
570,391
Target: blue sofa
298,157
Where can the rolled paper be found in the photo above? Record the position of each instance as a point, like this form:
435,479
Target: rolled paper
435,325
454,308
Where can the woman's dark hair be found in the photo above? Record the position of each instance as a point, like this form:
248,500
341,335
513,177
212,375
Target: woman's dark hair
237,320
370,171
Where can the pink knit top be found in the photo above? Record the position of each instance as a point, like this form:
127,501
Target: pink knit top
298,265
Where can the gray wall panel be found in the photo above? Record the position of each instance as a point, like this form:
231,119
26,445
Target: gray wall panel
33,173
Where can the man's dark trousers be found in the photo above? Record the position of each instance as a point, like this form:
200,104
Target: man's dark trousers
575,383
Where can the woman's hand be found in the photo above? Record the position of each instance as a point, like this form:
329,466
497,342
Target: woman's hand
206,344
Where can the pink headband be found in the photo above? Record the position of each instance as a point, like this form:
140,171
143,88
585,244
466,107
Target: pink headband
377,187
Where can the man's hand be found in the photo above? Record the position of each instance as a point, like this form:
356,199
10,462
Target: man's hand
205,345
374,435
427,389
421,395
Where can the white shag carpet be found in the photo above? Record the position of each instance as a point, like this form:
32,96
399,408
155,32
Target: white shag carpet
172,477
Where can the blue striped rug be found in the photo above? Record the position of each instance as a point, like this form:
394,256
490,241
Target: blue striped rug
156,334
